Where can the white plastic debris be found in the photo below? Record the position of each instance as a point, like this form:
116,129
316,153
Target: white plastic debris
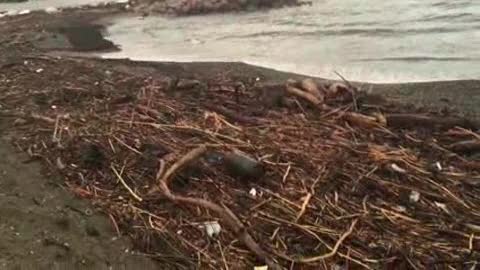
60,164
414,196
213,228
263,267
51,10
24,12
253,192
439,166
396,168
442,206
40,70
122,1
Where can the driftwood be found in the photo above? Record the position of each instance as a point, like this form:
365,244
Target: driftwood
307,97
225,214
466,147
415,120
233,116
363,121
311,87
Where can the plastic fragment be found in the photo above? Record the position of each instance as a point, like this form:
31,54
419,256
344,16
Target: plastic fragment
414,196
60,164
442,206
396,168
213,228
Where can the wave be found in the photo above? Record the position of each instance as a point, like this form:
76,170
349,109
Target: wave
370,32
419,59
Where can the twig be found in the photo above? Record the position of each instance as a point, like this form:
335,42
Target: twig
304,206
127,146
351,89
286,174
138,198
334,250
115,225
184,161
223,255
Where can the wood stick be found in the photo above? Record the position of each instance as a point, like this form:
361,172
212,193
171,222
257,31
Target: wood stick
184,161
415,120
333,251
470,146
134,195
306,200
361,120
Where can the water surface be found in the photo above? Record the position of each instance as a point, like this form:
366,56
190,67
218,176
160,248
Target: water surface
382,41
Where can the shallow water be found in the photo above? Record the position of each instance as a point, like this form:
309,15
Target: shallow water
42,4
384,41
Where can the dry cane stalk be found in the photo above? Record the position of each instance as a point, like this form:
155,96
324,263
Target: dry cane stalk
225,214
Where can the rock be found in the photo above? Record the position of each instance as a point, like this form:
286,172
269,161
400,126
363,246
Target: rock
242,166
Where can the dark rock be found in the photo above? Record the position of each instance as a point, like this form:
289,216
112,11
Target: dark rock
243,167
93,157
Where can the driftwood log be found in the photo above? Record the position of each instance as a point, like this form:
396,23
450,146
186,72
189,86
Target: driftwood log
466,147
415,121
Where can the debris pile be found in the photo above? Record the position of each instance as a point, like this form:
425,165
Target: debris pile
221,174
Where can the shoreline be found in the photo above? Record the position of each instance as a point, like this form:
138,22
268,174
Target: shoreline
64,34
